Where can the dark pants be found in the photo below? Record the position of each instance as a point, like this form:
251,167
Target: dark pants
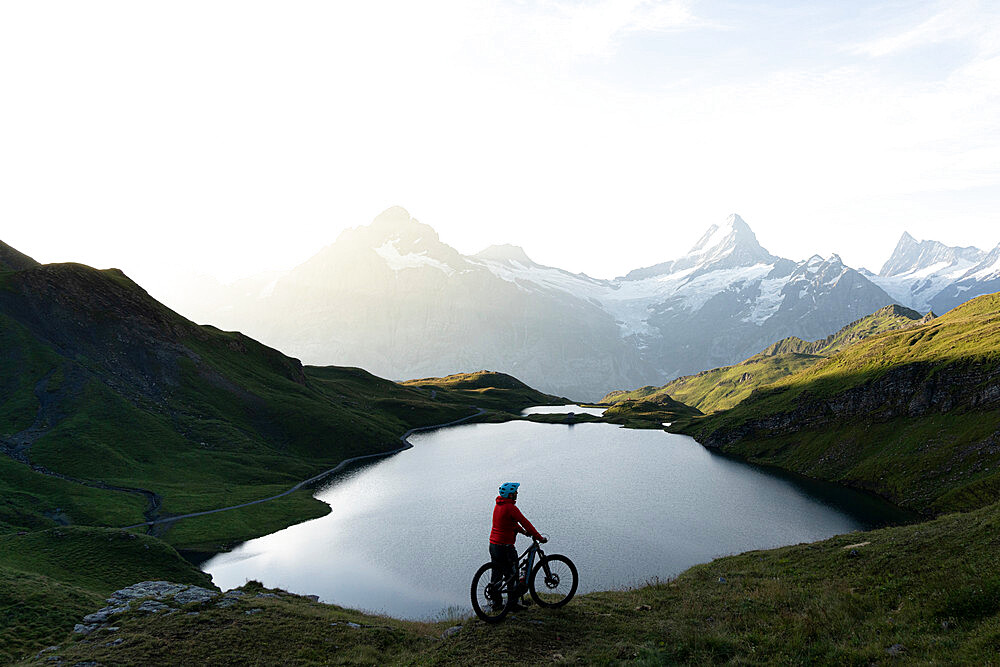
504,557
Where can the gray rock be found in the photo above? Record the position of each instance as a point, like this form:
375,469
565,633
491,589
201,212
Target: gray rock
348,624
453,630
895,650
253,611
89,663
153,607
267,595
102,615
229,598
314,598
192,613
194,594
84,628
116,642
147,589
113,628
47,650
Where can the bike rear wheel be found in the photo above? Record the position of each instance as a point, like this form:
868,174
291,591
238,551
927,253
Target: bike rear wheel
553,581
490,602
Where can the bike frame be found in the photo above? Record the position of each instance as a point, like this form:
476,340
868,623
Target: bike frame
528,558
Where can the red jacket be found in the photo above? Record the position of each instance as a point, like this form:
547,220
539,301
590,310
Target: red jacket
508,522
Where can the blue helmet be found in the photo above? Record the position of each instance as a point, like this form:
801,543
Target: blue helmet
507,489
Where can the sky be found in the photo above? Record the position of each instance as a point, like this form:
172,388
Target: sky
231,138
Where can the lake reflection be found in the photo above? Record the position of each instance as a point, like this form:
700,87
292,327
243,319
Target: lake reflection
407,533
562,410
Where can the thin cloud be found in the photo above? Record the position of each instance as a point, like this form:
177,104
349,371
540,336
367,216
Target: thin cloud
968,22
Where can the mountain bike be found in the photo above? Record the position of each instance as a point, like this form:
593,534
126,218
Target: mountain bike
552,583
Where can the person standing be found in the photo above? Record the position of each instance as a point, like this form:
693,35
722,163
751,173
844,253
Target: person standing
507,523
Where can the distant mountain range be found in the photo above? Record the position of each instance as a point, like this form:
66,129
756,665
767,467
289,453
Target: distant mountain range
392,298
927,275
906,408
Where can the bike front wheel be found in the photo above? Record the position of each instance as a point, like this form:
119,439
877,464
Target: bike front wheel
490,601
553,581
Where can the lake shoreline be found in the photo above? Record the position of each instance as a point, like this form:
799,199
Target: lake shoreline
739,513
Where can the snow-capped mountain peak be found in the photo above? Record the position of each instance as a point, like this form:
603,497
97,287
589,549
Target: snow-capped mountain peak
729,245
817,267
987,269
394,299
396,224
911,256
918,272
733,235
982,278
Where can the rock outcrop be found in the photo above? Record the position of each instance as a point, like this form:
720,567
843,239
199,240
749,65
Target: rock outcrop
913,390
150,597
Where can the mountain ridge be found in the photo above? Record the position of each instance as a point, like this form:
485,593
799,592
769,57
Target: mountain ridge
12,259
392,297
912,255
722,388
107,392
729,245
909,414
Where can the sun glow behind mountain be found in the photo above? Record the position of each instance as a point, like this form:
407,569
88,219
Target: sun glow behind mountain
394,298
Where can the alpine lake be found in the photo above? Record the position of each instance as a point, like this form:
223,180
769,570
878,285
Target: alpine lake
407,532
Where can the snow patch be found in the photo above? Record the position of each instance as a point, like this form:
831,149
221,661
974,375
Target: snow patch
768,302
916,288
544,277
630,303
836,279
716,236
397,262
988,273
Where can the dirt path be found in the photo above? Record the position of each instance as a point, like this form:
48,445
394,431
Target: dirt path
18,446
343,464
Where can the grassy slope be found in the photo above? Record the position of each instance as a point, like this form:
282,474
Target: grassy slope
28,499
911,414
487,389
935,583
50,579
140,397
651,411
123,391
722,388
928,592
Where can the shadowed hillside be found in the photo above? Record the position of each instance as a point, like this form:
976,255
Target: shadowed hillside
117,411
115,407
